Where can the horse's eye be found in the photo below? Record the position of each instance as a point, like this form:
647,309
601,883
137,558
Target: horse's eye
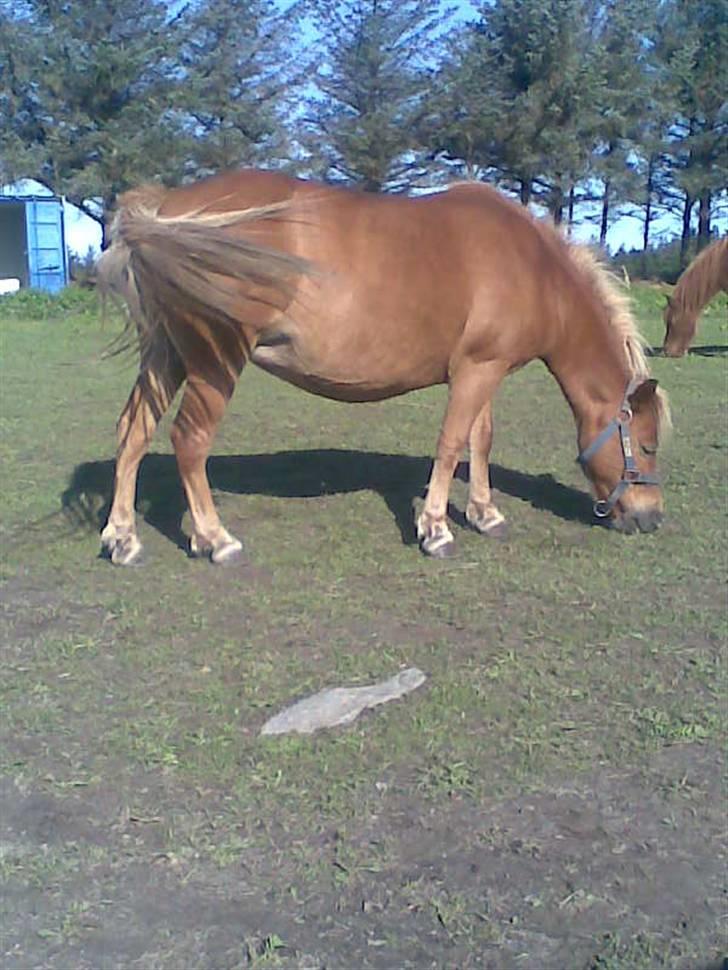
648,449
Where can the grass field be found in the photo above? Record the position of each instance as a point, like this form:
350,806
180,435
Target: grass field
551,798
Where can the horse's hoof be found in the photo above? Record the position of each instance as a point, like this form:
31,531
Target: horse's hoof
221,550
228,553
199,550
438,547
487,521
125,552
494,530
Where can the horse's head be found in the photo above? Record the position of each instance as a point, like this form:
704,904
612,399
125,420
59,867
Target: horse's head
679,329
620,460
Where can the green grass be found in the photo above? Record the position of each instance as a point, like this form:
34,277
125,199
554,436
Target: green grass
564,648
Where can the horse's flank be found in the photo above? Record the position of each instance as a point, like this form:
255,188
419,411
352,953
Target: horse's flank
704,277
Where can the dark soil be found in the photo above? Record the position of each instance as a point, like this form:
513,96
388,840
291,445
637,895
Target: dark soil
527,882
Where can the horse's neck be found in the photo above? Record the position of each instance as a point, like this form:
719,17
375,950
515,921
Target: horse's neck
701,282
723,266
593,375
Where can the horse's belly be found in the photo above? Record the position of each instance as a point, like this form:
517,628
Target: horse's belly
282,358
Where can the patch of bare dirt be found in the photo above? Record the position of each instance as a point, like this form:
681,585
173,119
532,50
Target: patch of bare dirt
537,881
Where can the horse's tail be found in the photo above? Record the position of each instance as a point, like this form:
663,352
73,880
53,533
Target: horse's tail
177,274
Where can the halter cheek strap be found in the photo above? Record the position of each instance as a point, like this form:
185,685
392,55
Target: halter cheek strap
631,475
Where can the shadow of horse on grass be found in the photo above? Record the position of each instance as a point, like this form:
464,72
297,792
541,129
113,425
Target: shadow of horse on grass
302,474
705,350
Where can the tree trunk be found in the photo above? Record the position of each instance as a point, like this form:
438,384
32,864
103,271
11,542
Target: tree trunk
106,224
685,235
525,192
648,213
572,202
604,223
704,219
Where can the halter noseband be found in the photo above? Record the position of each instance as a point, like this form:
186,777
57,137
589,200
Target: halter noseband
631,475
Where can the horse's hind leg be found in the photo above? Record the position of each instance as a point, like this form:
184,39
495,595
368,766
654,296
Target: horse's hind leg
193,432
471,385
480,512
160,376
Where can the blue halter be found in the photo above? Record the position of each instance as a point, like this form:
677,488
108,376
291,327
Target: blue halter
631,475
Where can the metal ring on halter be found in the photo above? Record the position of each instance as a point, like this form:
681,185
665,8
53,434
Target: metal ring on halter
602,509
625,414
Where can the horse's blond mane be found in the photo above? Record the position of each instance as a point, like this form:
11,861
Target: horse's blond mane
704,277
613,296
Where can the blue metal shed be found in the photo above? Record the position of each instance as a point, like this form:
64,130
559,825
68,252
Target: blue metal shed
33,241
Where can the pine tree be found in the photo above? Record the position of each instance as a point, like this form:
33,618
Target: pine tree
20,123
95,116
546,53
465,114
363,125
652,169
629,102
692,45
534,123
239,63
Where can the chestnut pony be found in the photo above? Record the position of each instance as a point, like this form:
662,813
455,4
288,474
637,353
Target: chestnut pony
360,297
704,277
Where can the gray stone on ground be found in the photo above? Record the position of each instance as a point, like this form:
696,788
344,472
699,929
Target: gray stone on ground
341,705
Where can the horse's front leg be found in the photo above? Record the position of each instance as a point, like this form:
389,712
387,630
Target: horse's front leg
471,385
150,397
192,435
481,512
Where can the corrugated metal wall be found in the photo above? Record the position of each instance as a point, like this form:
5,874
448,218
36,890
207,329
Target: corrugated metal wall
42,247
47,258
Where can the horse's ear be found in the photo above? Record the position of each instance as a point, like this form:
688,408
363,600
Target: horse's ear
643,394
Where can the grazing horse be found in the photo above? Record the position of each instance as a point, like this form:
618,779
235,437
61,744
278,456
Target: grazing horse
360,297
704,277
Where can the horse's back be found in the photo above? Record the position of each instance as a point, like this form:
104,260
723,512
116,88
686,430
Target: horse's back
466,218
399,283
239,189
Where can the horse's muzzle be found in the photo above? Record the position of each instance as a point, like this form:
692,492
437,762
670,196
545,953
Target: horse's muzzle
648,520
